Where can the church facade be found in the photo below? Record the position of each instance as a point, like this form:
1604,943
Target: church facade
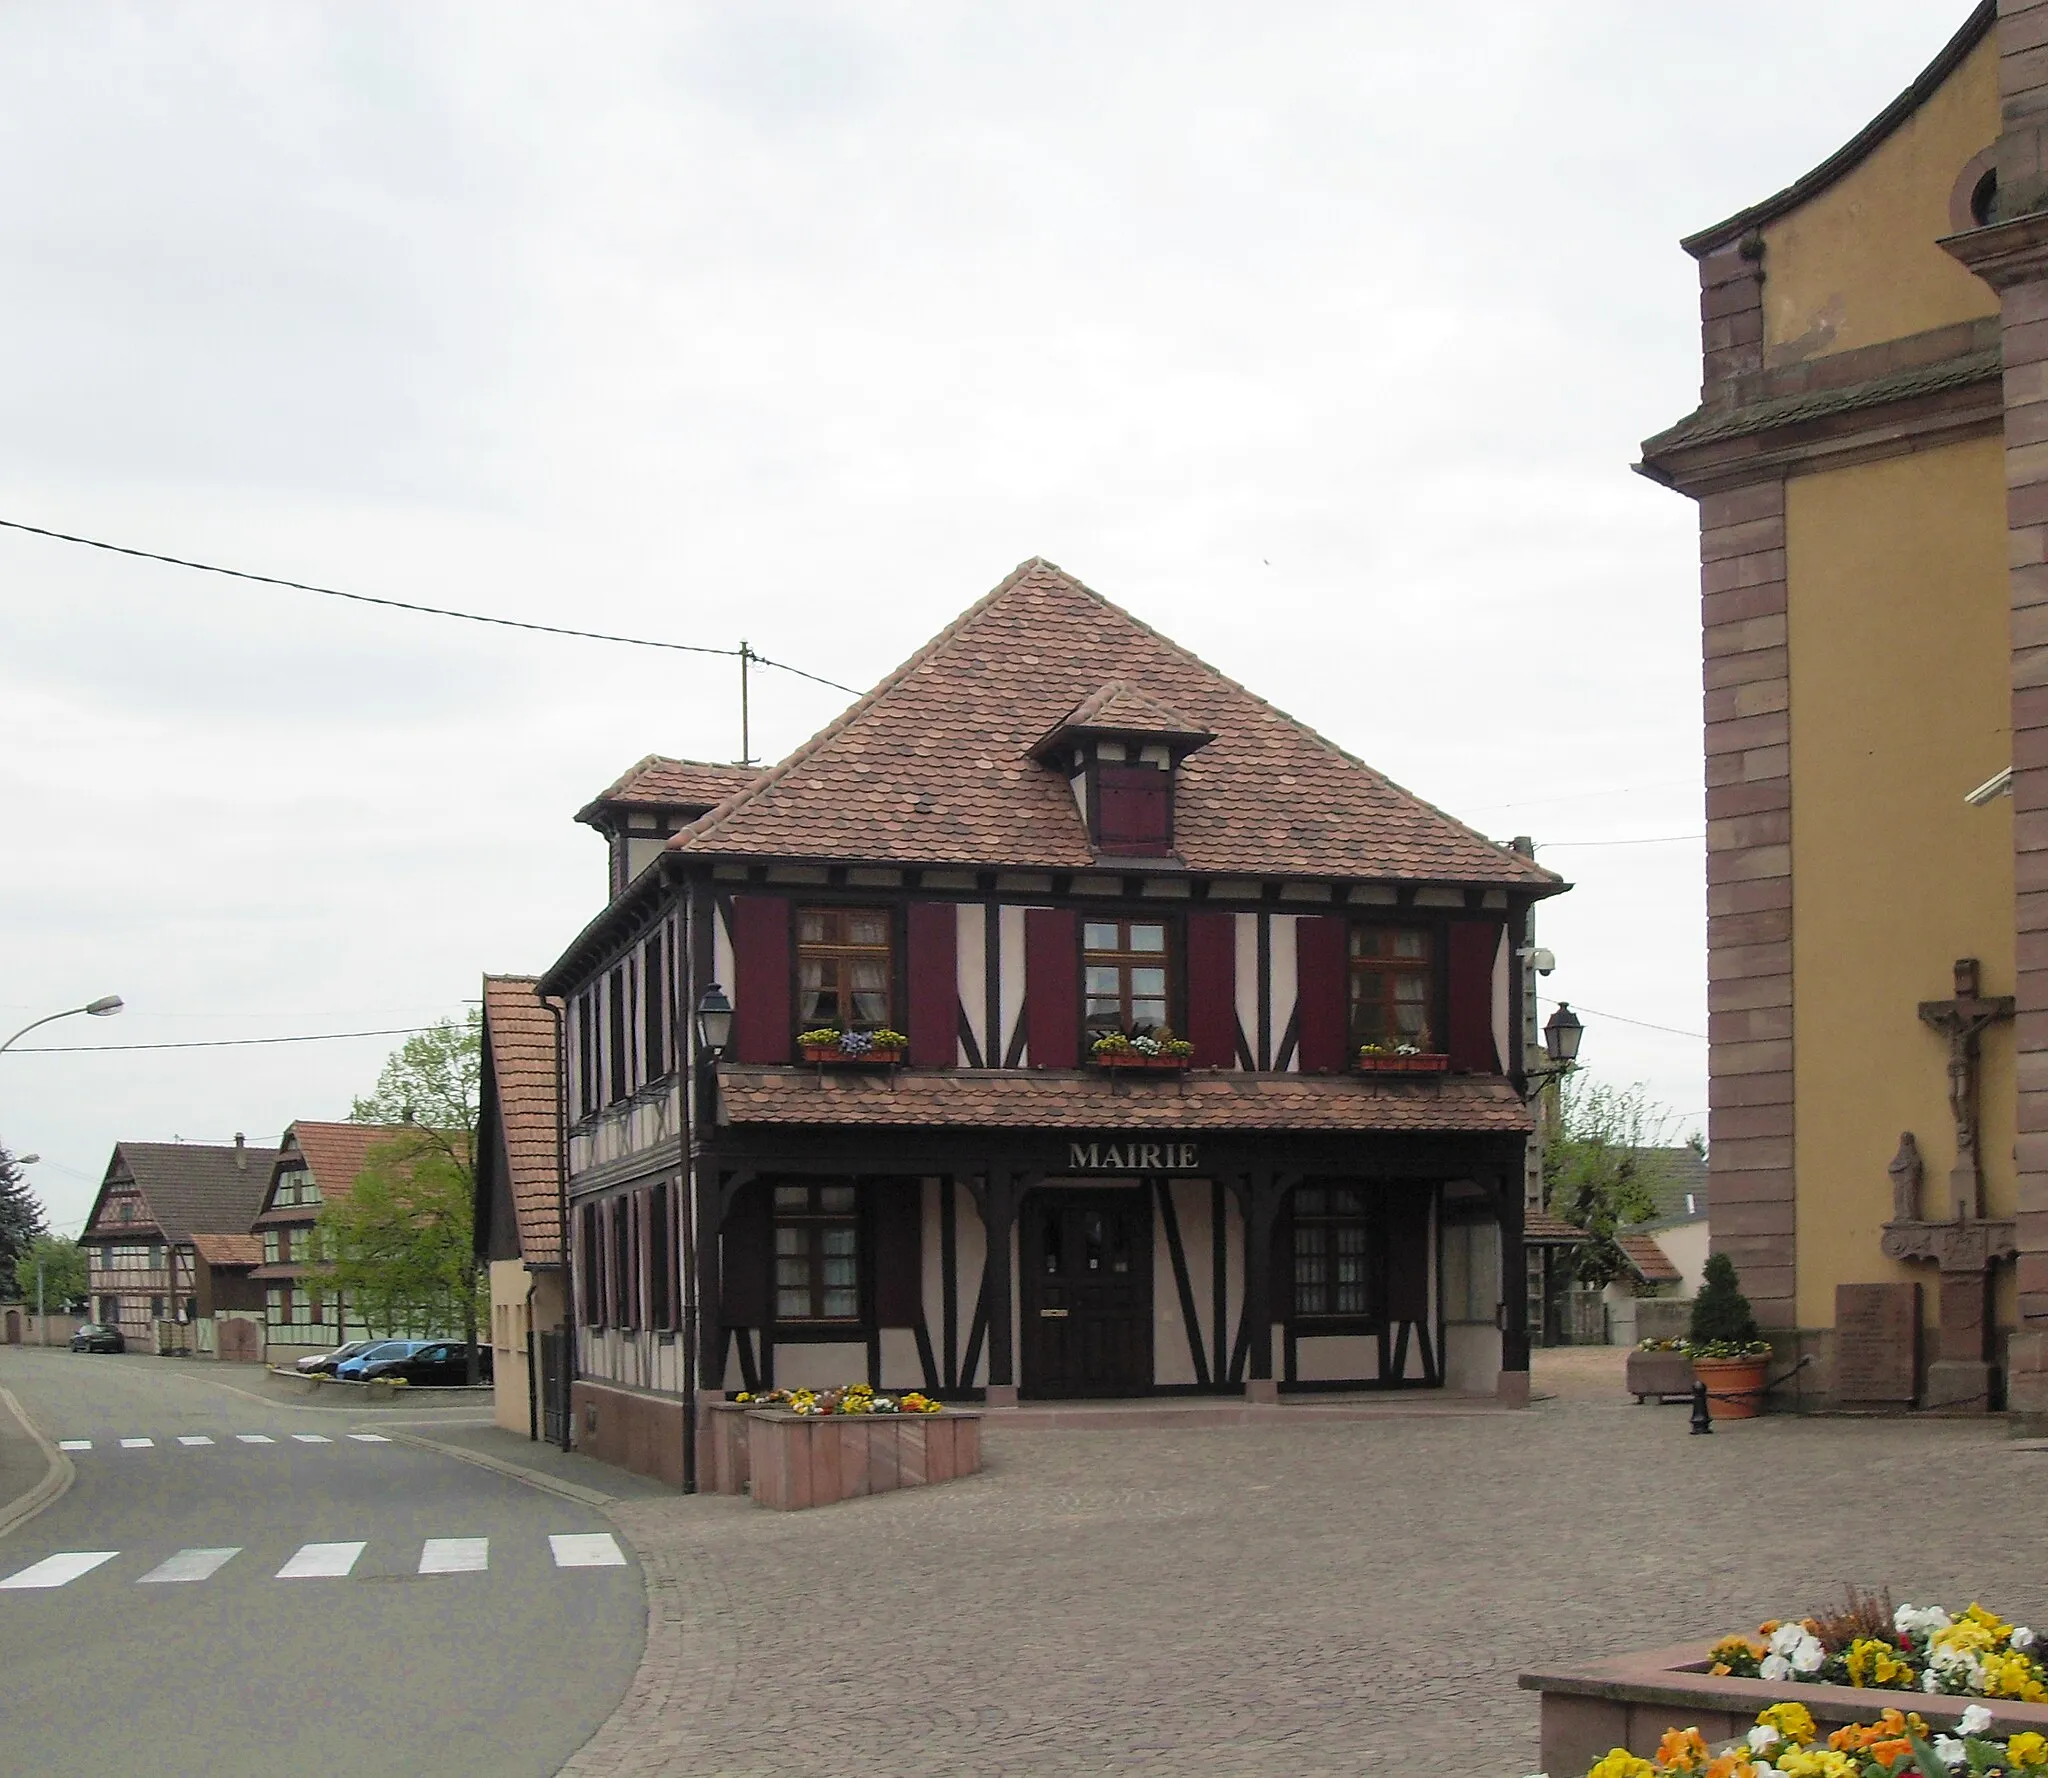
1870,462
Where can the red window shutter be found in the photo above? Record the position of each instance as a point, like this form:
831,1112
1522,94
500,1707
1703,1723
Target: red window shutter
761,990
1052,986
1322,1011
1212,989
934,984
1131,809
1474,944
746,1258
899,1252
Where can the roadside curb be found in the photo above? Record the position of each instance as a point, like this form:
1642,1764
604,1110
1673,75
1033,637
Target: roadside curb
57,1479
518,1472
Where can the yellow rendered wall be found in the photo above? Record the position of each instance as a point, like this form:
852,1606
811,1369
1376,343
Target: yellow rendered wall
507,1334
1858,264
1899,667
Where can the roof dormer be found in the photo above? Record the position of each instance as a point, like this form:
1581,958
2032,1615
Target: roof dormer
1120,750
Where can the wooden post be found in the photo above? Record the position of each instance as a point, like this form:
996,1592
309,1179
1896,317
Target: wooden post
710,1220
998,1217
1261,1211
1514,1290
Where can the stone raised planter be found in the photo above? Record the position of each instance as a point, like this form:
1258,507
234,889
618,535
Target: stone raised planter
800,1460
1631,1700
1658,1374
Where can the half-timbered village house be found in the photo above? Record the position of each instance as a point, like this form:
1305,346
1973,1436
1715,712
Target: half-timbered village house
1043,855
316,1163
163,1244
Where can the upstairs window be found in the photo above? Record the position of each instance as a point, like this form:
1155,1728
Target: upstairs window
273,1248
817,1253
1393,983
1124,974
1330,1253
843,968
1133,809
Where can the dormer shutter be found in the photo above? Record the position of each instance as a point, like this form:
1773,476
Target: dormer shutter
762,1030
1133,808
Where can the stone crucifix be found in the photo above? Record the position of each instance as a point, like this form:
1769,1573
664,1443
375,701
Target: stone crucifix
1963,1020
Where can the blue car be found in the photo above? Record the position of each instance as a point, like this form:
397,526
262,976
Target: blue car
350,1370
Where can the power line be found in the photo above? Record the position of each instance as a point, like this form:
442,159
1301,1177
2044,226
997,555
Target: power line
1624,1019
474,617
212,1043
1662,839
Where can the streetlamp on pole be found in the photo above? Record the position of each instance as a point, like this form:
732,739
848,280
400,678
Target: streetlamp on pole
105,1006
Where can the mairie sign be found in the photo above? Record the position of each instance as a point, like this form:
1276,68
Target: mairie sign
1130,1156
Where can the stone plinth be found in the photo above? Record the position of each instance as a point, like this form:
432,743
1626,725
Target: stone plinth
802,1460
1631,1700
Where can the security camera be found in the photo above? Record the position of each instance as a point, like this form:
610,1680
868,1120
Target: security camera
1539,959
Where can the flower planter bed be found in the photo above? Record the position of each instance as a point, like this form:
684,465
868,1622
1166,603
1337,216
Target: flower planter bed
1659,1374
1401,1064
1138,1061
801,1460
1631,1700
830,1056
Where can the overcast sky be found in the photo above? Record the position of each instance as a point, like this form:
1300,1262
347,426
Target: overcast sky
1319,336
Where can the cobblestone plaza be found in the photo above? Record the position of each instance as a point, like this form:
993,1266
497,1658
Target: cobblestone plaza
1292,1599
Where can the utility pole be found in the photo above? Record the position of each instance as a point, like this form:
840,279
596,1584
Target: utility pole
746,736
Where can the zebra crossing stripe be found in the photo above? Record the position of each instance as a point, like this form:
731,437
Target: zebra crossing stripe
321,1561
74,1444
586,1549
189,1565
369,1438
255,1438
58,1570
194,1438
138,1444
312,1438
455,1555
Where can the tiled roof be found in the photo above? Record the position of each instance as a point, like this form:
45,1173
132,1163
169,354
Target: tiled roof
1710,425
525,1063
192,1187
1674,1175
229,1250
934,766
1122,708
335,1152
660,783
1029,1099
1541,1226
1649,1260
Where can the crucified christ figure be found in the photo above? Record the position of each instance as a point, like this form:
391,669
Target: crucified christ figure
1963,1021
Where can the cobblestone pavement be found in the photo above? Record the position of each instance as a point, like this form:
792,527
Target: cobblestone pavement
1292,1600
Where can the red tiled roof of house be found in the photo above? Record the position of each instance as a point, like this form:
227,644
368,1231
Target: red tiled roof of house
1120,707
229,1250
660,783
334,1153
1652,1265
1540,1225
934,765
525,1063
1028,1099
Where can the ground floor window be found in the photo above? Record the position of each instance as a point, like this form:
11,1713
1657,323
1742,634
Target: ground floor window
1331,1250
817,1253
110,1309
1472,1272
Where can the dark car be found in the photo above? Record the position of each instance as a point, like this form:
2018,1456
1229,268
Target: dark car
96,1336
442,1364
322,1364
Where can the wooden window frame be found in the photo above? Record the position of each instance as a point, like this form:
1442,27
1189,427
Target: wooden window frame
1125,959
590,1245
654,1037
815,1219
843,953
1430,967
1366,1222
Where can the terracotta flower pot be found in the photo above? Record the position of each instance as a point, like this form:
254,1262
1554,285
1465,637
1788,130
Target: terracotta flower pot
1735,1386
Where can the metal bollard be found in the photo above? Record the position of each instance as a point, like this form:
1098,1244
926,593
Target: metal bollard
1702,1421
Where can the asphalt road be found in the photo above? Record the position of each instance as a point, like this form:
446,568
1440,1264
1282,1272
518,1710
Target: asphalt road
500,1663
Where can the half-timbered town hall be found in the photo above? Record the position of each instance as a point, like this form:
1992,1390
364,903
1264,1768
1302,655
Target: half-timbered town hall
1062,1021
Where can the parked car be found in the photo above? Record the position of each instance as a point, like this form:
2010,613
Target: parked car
322,1364
96,1336
351,1369
436,1364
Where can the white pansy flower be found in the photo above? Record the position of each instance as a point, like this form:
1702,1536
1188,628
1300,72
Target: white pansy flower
1808,1657
1774,1668
1949,1750
1763,1738
1975,1721
1930,1681
1902,1619
1786,1637
2022,1637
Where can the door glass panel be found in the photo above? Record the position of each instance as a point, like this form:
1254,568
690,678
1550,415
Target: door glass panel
1052,1241
836,1200
1120,1245
790,1197
1091,1234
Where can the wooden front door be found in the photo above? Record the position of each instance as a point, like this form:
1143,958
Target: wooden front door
1087,1293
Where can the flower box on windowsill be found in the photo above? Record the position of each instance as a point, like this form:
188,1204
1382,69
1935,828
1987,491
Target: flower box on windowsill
830,1055
1138,1060
1393,1064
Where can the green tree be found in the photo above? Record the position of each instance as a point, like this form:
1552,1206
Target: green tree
21,1221
1594,1167
63,1273
399,1243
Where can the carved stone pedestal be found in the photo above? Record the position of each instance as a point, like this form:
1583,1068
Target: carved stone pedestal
1964,1377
